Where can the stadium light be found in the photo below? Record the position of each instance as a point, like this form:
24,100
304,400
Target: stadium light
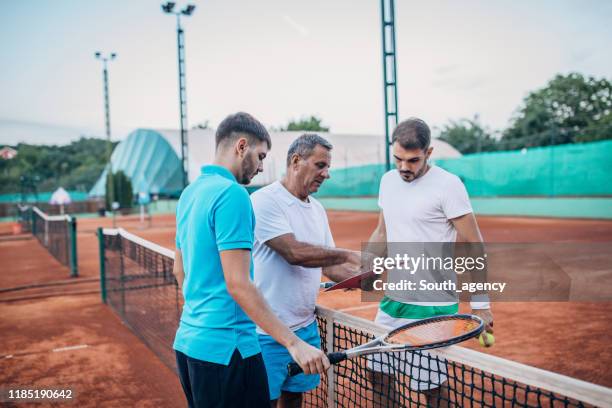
187,11
168,8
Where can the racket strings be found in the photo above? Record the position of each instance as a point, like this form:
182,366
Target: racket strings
434,332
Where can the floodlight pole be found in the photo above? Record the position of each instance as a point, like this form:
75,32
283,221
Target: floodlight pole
109,147
180,39
387,9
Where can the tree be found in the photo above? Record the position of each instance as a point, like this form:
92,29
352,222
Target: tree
569,109
76,166
468,136
122,190
311,124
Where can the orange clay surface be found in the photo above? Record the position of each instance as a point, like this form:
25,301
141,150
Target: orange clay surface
55,332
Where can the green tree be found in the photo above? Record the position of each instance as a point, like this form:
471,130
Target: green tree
311,124
76,166
468,136
569,109
122,190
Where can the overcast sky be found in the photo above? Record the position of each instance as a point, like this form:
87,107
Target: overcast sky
283,59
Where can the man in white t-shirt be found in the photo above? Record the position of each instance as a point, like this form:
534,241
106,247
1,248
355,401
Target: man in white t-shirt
420,203
293,247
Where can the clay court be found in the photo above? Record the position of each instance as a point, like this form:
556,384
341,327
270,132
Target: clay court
57,333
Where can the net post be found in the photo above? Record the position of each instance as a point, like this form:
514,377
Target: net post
331,380
122,275
102,264
33,221
74,269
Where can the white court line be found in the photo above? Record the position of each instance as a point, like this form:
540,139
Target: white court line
355,308
55,350
70,348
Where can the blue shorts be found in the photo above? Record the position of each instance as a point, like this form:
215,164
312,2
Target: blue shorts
276,358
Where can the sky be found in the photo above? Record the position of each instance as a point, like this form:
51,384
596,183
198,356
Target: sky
281,60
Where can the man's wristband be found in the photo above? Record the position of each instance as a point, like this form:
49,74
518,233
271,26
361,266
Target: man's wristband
479,302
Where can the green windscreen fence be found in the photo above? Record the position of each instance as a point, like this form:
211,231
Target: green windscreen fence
566,170
353,181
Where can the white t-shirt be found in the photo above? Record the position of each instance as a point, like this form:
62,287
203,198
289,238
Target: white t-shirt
420,212
290,290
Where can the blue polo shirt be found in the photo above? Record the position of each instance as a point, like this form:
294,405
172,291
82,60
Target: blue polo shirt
214,214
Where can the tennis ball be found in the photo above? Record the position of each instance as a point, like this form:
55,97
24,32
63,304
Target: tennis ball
490,339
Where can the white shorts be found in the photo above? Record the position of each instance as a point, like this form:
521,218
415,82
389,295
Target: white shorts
425,371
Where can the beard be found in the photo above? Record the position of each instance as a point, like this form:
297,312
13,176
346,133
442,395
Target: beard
249,170
409,176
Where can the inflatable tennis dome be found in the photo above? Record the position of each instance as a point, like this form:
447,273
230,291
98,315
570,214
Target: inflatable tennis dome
150,162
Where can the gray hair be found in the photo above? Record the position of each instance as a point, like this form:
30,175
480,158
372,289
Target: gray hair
305,144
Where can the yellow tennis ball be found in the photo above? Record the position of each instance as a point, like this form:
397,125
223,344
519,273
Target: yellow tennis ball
490,339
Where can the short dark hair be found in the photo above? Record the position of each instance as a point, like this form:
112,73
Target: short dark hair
244,123
412,133
305,144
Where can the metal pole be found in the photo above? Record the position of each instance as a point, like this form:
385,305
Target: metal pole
180,39
102,264
106,106
74,269
168,8
109,147
110,196
387,10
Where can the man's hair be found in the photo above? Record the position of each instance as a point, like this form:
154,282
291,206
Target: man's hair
241,123
305,144
413,133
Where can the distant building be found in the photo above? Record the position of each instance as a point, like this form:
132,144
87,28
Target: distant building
8,153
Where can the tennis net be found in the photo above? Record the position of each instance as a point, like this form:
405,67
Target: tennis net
57,233
137,282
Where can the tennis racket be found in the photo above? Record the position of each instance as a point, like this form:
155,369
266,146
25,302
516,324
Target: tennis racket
425,334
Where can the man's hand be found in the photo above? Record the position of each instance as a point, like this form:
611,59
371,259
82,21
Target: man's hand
368,266
347,269
487,317
311,359
353,262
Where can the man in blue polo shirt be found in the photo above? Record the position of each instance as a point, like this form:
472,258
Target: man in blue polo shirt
217,350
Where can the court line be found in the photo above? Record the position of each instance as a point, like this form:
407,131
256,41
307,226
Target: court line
55,350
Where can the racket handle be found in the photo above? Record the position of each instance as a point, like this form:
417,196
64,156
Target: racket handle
293,368
336,357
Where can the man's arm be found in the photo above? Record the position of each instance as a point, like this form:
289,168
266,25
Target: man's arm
467,229
177,268
376,248
311,256
236,266
377,244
